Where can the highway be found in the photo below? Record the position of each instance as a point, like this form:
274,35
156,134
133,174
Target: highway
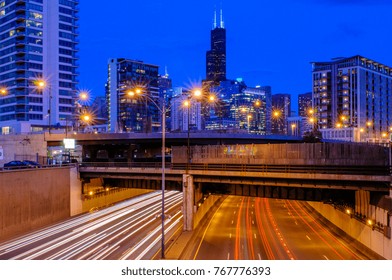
247,228
127,230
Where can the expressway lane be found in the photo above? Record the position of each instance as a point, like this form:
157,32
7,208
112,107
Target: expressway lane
127,230
248,228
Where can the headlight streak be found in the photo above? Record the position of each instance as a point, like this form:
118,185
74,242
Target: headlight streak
39,235
158,239
119,211
126,225
177,203
85,241
143,241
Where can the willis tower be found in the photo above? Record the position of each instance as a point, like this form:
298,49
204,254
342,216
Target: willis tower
216,57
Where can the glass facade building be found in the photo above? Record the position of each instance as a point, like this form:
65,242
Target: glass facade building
250,109
39,41
281,111
137,113
352,98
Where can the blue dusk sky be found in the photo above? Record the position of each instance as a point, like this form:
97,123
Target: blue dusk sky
268,42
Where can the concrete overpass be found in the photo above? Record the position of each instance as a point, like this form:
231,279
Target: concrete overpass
336,173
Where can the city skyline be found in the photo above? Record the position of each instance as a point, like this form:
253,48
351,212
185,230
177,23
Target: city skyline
261,46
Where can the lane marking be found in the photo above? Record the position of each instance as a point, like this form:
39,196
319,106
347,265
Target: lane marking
325,257
228,256
259,256
308,237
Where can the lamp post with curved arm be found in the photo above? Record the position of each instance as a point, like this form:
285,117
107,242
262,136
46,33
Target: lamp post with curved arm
42,84
198,95
135,93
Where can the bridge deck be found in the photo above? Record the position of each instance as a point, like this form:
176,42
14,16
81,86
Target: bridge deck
348,177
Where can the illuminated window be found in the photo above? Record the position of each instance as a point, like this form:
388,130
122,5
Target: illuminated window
5,130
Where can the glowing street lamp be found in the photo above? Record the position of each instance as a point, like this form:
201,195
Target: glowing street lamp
248,117
293,126
42,85
3,91
276,114
83,96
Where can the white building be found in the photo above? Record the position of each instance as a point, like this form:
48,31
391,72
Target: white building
38,43
183,117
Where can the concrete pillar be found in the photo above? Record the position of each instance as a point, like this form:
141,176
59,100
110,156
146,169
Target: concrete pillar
198,192
188,191
362,202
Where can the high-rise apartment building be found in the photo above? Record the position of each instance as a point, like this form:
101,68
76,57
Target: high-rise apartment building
216,56
38,63
352,98
136,113
281,110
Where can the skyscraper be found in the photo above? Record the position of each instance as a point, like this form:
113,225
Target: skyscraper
352,98
38,43
132,114
216,57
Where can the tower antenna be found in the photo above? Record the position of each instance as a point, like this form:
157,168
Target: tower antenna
214,25
222,25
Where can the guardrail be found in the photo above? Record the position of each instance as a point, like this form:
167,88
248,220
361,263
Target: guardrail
14,168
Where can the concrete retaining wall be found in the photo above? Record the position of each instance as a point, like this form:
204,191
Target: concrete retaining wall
372,239
204,208
33,198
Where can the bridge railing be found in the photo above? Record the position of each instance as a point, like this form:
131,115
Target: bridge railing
263,168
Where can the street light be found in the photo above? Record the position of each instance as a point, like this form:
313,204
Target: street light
135,93
293,126
197,94
42,85
3,91
248,117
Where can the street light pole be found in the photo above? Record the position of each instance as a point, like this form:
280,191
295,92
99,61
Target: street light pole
188,149
132,94
163,176
50,108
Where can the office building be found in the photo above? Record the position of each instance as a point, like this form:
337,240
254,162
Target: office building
136,113
38,64
305,104
281,110
250,110
352,98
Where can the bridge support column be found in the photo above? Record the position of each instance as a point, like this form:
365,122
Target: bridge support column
188,191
